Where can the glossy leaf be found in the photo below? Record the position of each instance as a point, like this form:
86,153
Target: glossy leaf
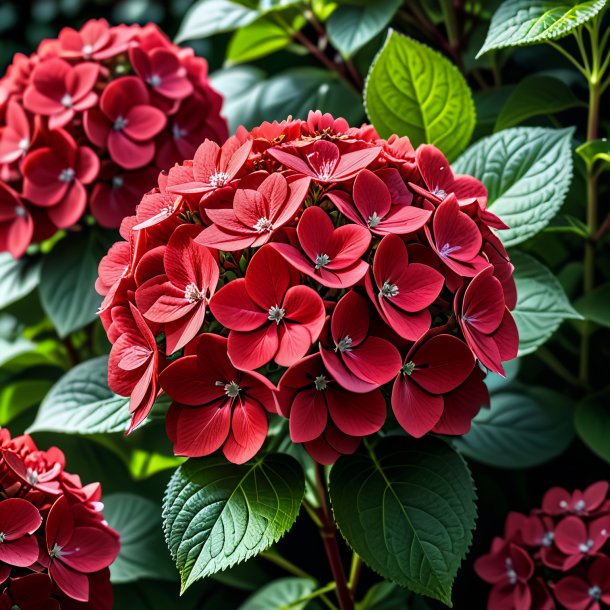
542,305
281,594
414,91
17,277
594,151
217,514
18,396
257,39
592,421
527,171
595,305
408,509
523,22
385,596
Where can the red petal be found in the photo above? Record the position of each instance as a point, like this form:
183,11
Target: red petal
248,431
455,233
342,375
416,411
351,163
375,361
21,553
233,307
127,153
350,318
315,231
570,533
434,168
573,593
268,278
205,160
308,416
371,195
249,351
90,549
191,384
144,123
74,584
18,517
403,220
356,414
72,206
483,302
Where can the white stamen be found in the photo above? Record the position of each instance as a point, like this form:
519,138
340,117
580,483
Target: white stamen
120,123
389,290
580,506
87,50
263,225
178,133
439,192
231,389
276,314
20,212
66,100
510,572
446,250
2,537
154,80
547,539
585,547
56,551
218,179
595,593
322,260
24,144
345,345
31,476
325,169
320,383
117,182
373,221
67,175
192,293
407,368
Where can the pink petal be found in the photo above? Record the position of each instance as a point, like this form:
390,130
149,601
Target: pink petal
251,350
70,209
570,533
205,160
294,343
573,593
351,163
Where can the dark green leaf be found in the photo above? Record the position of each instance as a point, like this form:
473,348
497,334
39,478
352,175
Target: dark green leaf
280,595
527,171
19,396
408,509
594,151
385,596
414,91
17,277
143,551
595,305
592,421
217,514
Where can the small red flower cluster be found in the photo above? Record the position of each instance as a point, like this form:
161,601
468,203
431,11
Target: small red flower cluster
55,547
88,118
360,265
557,557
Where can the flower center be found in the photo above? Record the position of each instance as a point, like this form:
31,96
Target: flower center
32,476
2,537
120,123
373,221
595,593
192,294
154,80
20,212
320,383
67,175
276,314
510,572
16,607
446,250
548,538
585,547
232,390
322,260
56,551
408,368
178,133
87,49
580,506
345,345
263,225
66,100
324,168
24,144
389,290
218,179
439,192
117,182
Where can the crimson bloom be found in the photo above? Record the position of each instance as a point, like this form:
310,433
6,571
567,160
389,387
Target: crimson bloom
259,208
95,40
403,292
487,325
179,298
577,540
587,591
558,501
76,550
16,225
125,123
59,90
270,317
330,256
216,405
432,368
15,136
31,592
18,521
358,362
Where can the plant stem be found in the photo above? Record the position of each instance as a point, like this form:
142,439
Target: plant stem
283,563
354,573
555,365
451,23
328,532
317,593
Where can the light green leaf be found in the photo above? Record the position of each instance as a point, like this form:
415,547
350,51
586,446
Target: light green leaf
523,22
17,397
257,39
536,95
351,27
280,595
542,304
408,509
385,596
521,429
17,277
82,403
414,91
208,17
592,421
594,151
217,514
527,171
595,305
143,552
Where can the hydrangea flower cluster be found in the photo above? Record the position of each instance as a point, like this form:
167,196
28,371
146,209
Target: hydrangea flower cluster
358,269
555,557
87,122
55,547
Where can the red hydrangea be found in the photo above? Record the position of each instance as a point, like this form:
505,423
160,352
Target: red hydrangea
55,547
87,122
558,556
356,273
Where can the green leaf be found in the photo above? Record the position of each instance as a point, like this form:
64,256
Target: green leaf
280,595
351,27
594,151
17,277
19,396
595,305
592,421
250,98
384,596
414,91
536,95
67,281
208,17
524,22
257,39
408,509
527,171
542,304
143,551
81,402
217,514
521,429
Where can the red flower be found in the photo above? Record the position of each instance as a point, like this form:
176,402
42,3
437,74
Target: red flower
381,202
558,501
324,162
314,403
16,226
488,327
270,317
161,69
358,362
403,291
457,239
578,540
587,591
76,550
31,592
179,298
432,368
214,167
133,363
19,519
125,123
260,207
95,40
216,404
330,256
59,90
15,136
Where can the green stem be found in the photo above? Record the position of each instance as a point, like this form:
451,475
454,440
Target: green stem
556,366
283,563
451,23
569,57
354,573
313,595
